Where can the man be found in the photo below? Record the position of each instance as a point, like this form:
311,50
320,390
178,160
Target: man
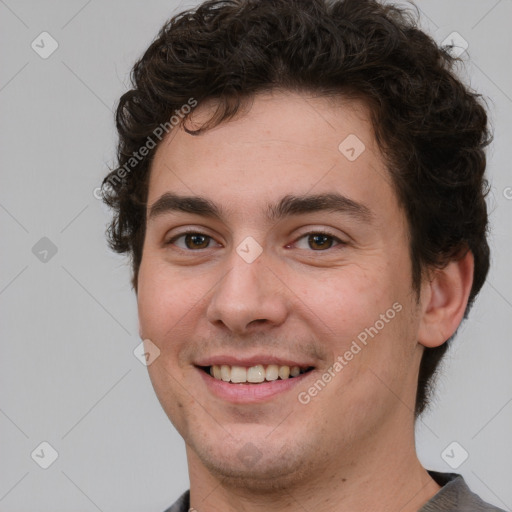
301,188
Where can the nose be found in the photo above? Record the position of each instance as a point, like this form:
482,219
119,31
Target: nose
249,297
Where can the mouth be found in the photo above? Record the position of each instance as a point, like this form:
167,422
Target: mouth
256,374
252,382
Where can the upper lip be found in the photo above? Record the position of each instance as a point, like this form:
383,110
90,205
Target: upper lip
231,360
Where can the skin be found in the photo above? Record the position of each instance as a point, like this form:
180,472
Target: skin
352,446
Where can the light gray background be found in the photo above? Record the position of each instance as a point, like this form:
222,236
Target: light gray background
68,375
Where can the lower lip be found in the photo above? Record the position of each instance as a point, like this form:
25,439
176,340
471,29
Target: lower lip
250,393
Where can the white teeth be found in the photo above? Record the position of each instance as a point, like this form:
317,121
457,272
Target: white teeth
225,372
238,374
284,372
217,373
272,372
254,374
294,371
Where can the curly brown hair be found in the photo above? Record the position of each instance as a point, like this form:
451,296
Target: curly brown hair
431,129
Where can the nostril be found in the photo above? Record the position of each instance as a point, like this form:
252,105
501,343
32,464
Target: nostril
258,321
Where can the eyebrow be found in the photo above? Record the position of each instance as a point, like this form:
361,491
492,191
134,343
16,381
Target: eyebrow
289,205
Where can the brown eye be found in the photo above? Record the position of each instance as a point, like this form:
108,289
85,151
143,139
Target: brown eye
191,241
196,241
317,241
320,241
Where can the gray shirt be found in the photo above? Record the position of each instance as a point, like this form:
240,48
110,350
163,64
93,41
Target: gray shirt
454,496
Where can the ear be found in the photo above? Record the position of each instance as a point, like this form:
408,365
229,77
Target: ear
444,297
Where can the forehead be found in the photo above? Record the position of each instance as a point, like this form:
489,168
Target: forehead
280,143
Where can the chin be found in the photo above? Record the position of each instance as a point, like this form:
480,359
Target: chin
267,469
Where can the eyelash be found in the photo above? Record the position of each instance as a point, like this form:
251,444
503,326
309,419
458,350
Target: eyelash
335,239
316,232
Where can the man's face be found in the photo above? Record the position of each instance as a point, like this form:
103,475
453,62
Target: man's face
270,277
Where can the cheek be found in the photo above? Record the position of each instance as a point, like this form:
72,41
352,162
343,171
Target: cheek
171,304
159,306
351,299
367,314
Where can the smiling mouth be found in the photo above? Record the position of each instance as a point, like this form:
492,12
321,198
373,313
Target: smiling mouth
254,374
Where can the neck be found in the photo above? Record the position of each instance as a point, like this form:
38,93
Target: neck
379,474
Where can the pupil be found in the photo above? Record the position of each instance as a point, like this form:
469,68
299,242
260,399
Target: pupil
197,241
320,240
